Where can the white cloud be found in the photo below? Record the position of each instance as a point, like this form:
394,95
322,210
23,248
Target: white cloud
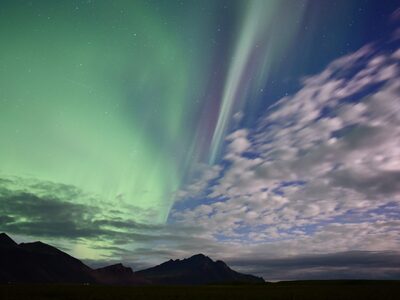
324,161
199,182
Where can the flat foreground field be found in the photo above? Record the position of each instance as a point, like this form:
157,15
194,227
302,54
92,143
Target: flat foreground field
307,290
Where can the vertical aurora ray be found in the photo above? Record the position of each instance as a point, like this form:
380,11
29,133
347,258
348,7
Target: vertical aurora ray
266,30
115,98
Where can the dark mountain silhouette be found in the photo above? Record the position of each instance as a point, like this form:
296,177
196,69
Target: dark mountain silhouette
6,241
198,269
38,262
118,274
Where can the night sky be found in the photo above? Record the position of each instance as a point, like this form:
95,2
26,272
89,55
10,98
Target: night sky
264,132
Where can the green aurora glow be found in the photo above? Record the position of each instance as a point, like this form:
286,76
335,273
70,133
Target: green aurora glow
118,99
95,97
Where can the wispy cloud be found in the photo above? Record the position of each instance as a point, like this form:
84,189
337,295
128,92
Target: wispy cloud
321,170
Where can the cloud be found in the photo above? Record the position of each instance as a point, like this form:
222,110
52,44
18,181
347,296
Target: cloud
395,16
28,214
200,179
341,265
319,171
72,220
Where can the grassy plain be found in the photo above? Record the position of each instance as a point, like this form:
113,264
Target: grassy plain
300,290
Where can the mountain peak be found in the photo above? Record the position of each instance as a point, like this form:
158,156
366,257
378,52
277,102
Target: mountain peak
116,269
118,274
42,248
6,241
197,269
221,263
199,256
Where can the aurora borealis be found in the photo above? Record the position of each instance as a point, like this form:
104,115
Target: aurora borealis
97,106
109,113
145,130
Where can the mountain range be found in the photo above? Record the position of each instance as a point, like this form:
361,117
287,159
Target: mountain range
38,262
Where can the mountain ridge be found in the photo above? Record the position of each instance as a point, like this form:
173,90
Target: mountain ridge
197,269
6,241
38,262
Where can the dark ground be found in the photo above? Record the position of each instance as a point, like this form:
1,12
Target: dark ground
382,290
